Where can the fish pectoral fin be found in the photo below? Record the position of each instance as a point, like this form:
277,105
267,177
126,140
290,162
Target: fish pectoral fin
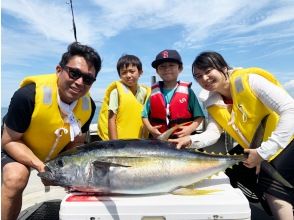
104,163
184,191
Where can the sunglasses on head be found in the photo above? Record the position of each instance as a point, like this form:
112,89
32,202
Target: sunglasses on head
75,74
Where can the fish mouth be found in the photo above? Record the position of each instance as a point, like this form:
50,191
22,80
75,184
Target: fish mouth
47,175
51,177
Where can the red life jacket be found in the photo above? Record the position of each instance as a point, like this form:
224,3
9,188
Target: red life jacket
176,112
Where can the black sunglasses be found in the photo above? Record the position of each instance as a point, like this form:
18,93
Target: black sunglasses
75,74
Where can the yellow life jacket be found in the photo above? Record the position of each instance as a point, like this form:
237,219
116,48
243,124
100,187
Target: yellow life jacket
46,117
247,110
128,120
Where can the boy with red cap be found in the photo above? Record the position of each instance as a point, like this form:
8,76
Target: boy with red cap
171,101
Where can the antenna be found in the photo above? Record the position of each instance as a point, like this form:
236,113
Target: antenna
153,80
73,20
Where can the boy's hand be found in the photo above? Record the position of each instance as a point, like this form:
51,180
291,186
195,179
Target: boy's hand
183,131
154,131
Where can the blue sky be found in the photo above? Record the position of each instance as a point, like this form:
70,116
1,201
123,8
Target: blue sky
247,33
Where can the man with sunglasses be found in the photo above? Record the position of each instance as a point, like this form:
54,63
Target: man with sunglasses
49,113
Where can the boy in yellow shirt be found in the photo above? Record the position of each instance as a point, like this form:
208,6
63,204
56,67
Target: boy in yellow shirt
120,114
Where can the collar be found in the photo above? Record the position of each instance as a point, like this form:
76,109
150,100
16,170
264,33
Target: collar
67,110
210,98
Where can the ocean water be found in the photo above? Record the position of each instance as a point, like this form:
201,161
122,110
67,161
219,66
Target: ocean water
3,111
94,120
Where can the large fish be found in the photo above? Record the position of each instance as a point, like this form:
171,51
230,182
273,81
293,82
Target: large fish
133,167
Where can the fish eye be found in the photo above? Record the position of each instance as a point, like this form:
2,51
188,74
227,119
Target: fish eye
60,163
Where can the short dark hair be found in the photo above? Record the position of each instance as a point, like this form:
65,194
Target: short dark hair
127,60
210,59
89,54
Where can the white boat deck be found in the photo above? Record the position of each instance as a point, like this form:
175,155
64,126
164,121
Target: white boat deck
219,201
35,194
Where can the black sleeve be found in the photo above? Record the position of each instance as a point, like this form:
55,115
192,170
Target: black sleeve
21,107
86,126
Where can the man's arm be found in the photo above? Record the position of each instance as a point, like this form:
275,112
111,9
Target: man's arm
11,142
16,122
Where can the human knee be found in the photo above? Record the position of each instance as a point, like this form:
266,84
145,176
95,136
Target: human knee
276,202
15,177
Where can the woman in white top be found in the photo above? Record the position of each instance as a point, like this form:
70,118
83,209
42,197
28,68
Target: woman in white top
237,100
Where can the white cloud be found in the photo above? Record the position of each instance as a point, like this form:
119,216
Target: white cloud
44,28
48,18
289,85
18,48
198,20
278,15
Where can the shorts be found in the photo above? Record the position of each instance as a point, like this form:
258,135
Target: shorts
254,186
5,159
243,177
283,163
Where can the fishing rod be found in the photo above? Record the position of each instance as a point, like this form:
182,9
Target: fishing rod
73,20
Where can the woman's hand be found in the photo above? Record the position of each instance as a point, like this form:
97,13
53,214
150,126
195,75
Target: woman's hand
253,160
181,142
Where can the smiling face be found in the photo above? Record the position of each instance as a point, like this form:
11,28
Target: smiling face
210,79
70,89
169,71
